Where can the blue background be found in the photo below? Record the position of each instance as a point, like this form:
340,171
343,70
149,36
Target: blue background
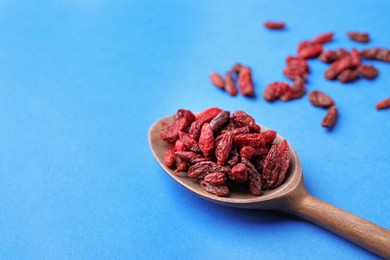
81,82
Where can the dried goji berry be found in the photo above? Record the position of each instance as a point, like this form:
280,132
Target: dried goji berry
297,62
169,132
323,38
298,88
303,44
240,173
238,131
348,75
245,83
277,90
274,25
224,147
189,142
191,157
359,37
218,190
179,146
217,80
243,119
355,58
271,166
201,169
216,178
337,67
284,159
206,140
385,103
181,165
236,68
247,152
250,140
233,158
230,84
189,116
259,161
310,51
377,54
329,56
368,71
170,158
208,114
255,183
293,71
220,121
331,118
283,92
261,150
320,99
269,136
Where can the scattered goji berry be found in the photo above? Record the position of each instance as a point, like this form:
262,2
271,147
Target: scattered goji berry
385,103
320,99
368,71
303,44
274,25
381,54
298,88
331,118
355,58
348,75
359,37
236,68
310,51
337,67
323,38
217,80
230,84
245,83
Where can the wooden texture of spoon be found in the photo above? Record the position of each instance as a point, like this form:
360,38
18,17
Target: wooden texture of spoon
291,197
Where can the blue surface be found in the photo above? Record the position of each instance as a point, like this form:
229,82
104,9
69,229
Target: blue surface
81,82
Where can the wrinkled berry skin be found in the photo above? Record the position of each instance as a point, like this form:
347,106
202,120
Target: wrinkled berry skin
331,118
320,99
273,25
359,37
368,71
245,83
217,80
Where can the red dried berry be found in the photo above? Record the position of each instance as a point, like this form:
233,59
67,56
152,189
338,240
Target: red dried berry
206,140
245,83
303,44
294,71
208,114
243,119
189,142
269,136
283,92
359,37
355,58
170,158
331,118
179,146
323,38
236,68
337,67
233,158
271,166
368,71
385,103
218,190
255,183
277,90
250,140
348,75
329,56
189,116
223,148
191,157
274,25
217,80
201,169
237,131
310,51
377,54
320,99
215,178
247,152
284,159
262,150
169,132
298,88
220,121
240,173
181,166
230,84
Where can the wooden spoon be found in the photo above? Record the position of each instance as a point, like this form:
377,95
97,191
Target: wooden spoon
291,197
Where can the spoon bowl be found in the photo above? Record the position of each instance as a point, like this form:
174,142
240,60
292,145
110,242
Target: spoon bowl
291,197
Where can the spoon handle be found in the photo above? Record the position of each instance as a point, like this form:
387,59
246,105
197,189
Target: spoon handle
360,231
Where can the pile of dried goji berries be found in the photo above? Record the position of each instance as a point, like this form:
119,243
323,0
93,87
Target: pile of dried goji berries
225,151
244,80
